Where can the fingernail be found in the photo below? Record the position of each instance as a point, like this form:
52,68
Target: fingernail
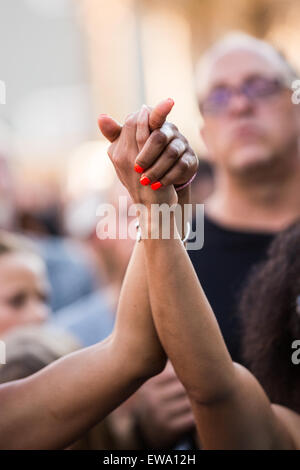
138,168
171,100
144,180
102,115
156,185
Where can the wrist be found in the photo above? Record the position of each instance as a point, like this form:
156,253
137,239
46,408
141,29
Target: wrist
147,196
156,223
180,187
184,196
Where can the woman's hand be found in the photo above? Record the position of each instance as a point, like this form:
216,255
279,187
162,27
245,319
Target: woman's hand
177,162
164,154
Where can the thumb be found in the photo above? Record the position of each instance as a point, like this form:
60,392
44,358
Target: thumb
159,113
109,127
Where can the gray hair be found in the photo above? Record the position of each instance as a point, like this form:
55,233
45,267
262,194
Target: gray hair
241,41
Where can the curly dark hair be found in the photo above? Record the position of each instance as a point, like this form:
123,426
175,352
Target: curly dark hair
271,322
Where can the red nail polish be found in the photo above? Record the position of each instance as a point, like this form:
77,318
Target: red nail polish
138,168
156,185
144,180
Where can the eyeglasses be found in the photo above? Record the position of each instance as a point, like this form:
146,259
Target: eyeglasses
255,88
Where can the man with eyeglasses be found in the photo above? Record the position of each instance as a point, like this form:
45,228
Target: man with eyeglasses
251,130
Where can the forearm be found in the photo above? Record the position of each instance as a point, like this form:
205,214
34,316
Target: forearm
54,407
134,326
185,322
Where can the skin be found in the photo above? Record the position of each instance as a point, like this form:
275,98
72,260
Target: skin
160,428
161,406
164,410
256,153
220,391
98,374
256,188
23,291
52,416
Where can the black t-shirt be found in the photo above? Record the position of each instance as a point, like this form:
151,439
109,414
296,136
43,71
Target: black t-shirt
222,266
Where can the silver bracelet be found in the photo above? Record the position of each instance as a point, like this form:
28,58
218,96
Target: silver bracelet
188,232
138,231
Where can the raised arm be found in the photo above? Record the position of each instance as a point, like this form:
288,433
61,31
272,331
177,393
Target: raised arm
231,408
52,408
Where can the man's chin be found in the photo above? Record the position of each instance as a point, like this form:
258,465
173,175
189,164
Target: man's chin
250,160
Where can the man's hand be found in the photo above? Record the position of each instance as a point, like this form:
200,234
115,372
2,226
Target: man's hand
163,410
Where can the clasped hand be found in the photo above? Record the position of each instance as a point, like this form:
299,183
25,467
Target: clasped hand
150,155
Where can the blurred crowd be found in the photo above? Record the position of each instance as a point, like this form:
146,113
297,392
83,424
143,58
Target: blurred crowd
61,293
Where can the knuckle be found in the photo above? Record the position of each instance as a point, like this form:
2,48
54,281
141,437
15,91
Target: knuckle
159,138
173,152
140,120
182,145
184,140
153,176
196,164
166,181
131,120
141,131
184,164
141,137
168,130
173,127
193,159
140,125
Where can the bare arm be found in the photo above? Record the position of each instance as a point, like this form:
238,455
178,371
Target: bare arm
170,161
231,409
54,407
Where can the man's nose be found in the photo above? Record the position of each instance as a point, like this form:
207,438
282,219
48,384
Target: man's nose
38,313
240,104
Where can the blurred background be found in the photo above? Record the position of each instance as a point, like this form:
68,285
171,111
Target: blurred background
62,63
66,61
